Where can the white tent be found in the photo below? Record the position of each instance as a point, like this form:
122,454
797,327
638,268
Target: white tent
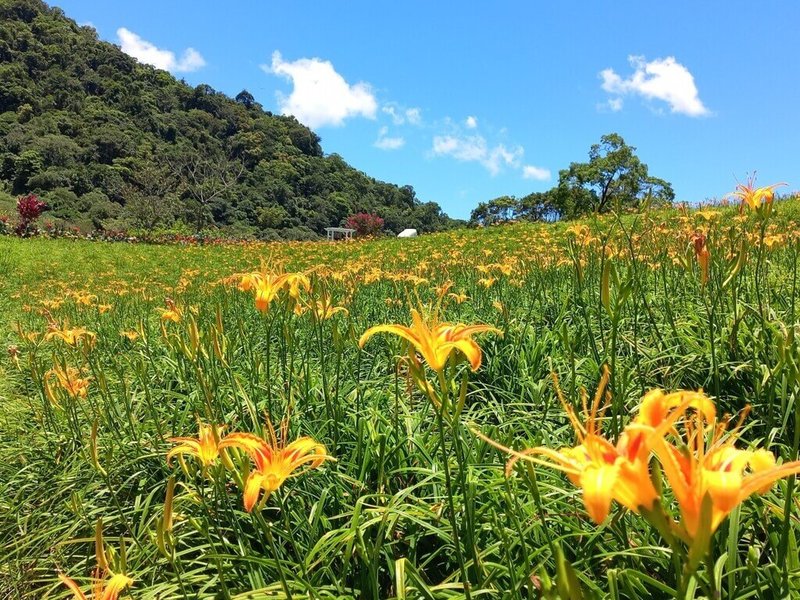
406,233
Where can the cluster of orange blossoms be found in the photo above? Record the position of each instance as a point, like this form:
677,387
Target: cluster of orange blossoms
696,452
273,461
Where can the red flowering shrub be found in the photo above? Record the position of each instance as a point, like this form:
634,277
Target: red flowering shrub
364,223
29,208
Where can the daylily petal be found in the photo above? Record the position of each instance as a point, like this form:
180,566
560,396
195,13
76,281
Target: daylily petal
762,481
252,490
115,586
70,583
598,482
404,332
724,488
470,350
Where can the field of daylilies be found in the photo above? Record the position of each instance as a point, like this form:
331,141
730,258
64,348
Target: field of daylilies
595,409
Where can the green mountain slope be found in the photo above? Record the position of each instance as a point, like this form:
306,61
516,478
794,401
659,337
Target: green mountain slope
111,143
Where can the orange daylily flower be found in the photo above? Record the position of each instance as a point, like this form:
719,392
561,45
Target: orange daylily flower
267,286
131,334
436,341
71,337
84,298
274,463
754,197
604,471
704,463
70,380
171,313
102,589
702,254
323,309
205,447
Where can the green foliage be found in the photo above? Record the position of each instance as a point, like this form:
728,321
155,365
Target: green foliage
415,504
77,113
538,206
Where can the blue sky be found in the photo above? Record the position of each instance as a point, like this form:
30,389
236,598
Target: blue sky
472,100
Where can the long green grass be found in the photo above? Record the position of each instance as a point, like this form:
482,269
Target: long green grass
413,507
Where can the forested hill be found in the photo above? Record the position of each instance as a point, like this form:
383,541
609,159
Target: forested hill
110,143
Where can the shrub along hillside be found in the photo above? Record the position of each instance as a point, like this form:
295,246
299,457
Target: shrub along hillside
111,143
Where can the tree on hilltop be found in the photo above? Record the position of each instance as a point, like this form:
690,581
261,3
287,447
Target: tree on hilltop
614,176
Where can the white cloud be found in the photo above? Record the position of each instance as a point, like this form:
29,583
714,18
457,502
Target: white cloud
400,116
471,122
394,113
148,53
537,173
384,142
661,79
321,96
414,116
473,148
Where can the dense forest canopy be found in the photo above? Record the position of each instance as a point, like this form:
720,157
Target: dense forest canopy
110,143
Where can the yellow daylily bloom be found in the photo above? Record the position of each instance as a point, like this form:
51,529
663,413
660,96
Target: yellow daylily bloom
705,464
70,380
102,589
273,462
205,447
70,336
436,341
754,197
323,309
295,281
171,313
266,286
131,334
657,408
266,290
84,298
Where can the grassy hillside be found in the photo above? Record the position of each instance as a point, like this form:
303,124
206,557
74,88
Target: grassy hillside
416,503
111,143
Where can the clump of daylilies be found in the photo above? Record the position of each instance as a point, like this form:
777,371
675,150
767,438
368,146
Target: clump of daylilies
71,336
441,346
706,474
273,460
69,379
